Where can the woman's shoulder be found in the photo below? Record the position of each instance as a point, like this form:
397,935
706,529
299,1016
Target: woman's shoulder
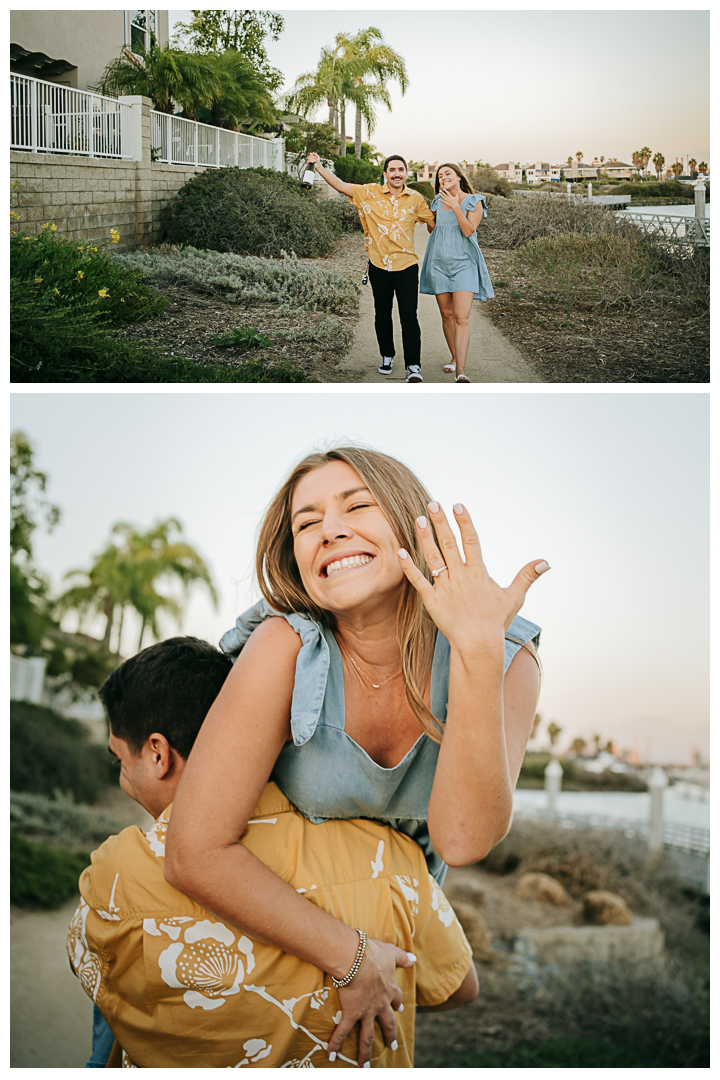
279,625
436,203
471,200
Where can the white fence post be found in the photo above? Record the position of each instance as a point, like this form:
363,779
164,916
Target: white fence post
134,125
699,199
657,784
590,192
27,674
553,783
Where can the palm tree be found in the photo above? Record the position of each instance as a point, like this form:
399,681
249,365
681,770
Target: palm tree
677,169
322,86
644,157
570,160
692,166
373,60
553,731
578,746
167,76
579,155
702,167
658,162
242,99
126,575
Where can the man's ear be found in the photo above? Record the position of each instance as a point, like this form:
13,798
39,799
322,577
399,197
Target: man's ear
163,755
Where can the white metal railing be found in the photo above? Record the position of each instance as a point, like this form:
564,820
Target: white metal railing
186,142
46,118
690,230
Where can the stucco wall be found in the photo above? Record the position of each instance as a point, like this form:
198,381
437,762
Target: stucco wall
87,39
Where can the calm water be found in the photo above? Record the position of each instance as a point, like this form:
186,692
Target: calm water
676,211
633,805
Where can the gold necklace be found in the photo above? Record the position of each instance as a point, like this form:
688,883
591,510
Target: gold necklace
375,686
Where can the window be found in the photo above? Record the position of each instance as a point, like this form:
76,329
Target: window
141,26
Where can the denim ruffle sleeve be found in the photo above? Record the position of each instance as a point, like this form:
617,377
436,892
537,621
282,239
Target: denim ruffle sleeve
311,667
470,203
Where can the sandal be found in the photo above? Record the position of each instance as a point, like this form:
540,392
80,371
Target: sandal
449,368
461,378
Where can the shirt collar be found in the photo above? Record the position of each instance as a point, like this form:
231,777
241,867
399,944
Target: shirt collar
405,191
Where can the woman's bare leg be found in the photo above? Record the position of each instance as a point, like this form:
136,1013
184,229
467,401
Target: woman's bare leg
461,305
445,303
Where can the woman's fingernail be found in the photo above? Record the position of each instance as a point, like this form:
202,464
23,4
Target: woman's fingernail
394,1044
332,1056
421,522
366,1065
541,567
412,957
459,508
401,1007
433,507
402,553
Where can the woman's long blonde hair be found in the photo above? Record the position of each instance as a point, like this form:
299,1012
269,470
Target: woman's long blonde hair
402,498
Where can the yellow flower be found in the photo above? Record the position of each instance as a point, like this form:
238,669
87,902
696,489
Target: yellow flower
122,299
80,275
38,281
104,293
53,228
114,236
56,291
94,249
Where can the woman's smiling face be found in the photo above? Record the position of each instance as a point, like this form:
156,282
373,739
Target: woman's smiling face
344,546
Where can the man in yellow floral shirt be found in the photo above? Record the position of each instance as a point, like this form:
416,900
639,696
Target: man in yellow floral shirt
388,214
180,989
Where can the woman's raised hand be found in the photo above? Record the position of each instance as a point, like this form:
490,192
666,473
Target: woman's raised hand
464,602
372,995
452,202
313,158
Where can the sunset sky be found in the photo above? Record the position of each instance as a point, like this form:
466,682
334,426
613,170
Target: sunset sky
526,85
610,488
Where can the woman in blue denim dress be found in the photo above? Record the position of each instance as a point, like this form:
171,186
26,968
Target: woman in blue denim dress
454,270
398,684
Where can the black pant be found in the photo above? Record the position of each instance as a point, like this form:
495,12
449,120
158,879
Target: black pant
404,285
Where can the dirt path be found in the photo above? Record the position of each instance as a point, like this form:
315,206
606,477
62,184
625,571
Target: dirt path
492,358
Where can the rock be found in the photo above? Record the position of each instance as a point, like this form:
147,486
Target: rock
602,908
476,930
467,891
541,887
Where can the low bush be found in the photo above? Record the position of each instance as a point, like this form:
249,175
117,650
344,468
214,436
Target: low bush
617,269
50,753
43,876
248,212
60,822
357,170
513,223
341,214
57,346
425,188
487,181
81,279
661,189
286,283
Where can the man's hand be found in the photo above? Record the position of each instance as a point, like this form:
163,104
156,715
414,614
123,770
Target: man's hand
328,177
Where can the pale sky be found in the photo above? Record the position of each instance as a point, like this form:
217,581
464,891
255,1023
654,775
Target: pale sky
610,488
526,85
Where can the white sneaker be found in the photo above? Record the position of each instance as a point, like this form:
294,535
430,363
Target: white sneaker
412,374
387,365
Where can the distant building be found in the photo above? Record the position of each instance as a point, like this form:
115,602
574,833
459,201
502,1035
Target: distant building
508,170
617,170
540,172
73,48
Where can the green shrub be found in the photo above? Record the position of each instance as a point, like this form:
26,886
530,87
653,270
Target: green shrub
55,346
242,337
248,212
487,181
286,284
426,189
81,279
50,753
43,876
664,188
357,170
341,214
60,822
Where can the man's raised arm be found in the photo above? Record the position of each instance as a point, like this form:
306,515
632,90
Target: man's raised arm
330,178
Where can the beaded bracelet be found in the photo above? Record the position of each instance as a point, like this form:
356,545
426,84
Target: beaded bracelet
339,983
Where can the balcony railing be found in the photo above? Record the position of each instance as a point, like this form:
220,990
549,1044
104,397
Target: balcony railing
186,142
46,118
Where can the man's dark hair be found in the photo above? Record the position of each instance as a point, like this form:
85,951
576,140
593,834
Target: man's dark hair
168,688
394,157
